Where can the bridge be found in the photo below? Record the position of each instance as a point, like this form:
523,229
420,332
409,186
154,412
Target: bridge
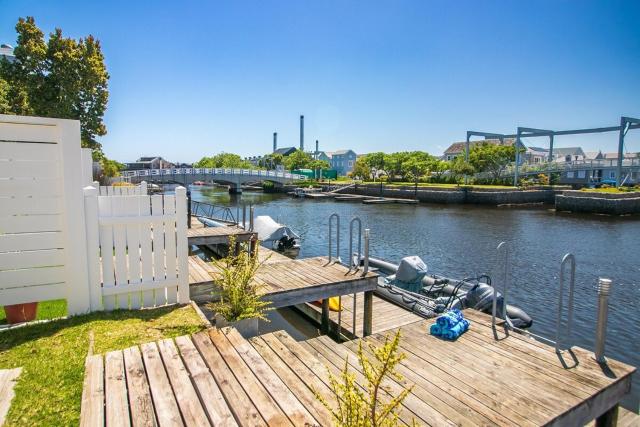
234,178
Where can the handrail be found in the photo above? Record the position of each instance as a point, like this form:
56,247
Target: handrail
352,264
570,260
211,211
502,252
337,217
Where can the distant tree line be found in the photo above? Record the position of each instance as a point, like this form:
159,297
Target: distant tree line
421,166
296,160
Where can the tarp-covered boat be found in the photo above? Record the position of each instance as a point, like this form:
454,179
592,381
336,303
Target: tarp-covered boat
276,236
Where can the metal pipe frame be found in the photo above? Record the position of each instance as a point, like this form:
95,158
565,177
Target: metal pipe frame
626,124
337,217
570,260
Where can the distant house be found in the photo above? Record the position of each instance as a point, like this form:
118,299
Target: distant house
155,162
457,148
285,151
6,52
322,155
568,154
342,161
536,155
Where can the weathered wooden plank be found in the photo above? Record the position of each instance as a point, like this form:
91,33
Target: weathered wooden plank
140,401
164,402
264,402
217,409
8,379
192,411
287,401
239,402
117,404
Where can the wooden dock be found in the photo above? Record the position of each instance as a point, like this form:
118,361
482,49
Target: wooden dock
216,377
201,235
287,283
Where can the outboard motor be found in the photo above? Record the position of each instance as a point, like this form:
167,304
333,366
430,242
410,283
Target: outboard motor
480,297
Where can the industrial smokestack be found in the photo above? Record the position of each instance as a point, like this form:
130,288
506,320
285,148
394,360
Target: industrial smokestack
301,133
317,151
275,141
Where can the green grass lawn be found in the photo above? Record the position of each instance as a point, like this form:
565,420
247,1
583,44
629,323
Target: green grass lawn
52,354
612,190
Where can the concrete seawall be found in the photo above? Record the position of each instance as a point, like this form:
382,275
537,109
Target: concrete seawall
603,203
458,196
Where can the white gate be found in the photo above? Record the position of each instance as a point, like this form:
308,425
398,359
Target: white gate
136,249
42,228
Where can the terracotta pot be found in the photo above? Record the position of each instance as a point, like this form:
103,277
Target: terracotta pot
18,313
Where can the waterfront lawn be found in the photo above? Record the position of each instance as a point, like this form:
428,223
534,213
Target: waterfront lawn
612,190
46,310
52,355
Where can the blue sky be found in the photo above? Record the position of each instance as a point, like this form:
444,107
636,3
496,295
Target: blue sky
193,78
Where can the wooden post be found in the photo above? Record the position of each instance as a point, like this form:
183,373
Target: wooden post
609,418
324,328
367,322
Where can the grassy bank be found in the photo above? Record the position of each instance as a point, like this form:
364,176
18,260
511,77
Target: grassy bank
52,356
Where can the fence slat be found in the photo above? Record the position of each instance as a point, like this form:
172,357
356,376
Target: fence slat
30,205
146,255
31,187
182,245
158,249
26,151
29,169
31,277
31,259
170,248
133,249
34,293
120,250
93,247
106,250
31,241
30,223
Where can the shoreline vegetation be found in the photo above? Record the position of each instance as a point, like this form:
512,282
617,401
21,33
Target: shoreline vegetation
52,355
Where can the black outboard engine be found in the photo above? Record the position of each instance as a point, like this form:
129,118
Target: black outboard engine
480,297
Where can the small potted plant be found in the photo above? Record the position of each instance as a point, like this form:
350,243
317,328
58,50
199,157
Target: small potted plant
19,313
240,298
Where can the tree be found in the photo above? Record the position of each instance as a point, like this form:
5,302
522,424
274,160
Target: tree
438,167
223,160
271,161
361,169
298,160
491,158
376,160
61,78
460,167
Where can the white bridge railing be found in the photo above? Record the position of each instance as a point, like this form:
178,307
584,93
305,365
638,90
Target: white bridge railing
213,171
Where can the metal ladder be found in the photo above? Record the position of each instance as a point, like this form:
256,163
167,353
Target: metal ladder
354,262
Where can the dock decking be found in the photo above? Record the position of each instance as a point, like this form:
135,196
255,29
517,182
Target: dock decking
216,377
201,235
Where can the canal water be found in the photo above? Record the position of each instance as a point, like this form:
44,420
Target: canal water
460,241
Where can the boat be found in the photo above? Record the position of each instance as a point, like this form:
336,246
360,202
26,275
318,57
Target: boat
277,237
298,192
409,286
199,183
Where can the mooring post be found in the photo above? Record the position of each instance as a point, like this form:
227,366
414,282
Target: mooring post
244,216
251,218
324,326
604,290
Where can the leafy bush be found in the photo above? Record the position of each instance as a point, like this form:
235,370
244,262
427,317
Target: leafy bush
240,296
354,407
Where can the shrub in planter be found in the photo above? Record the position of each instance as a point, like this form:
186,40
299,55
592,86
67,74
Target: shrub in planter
241,304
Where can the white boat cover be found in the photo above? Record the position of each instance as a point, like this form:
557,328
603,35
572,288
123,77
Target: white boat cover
411,269
270,231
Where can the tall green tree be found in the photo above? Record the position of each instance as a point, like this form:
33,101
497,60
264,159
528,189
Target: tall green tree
298,160
223,160
62,78
361,169
491,158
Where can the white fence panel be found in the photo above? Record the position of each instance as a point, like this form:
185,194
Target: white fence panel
137,248
42,244
123,190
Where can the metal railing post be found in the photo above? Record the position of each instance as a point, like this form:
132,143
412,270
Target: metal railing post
503,253
188,208
567,259
366,251
351,263
337,217
604,290
244,216
251,218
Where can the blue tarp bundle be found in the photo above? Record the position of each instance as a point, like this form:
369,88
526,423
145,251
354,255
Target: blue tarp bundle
450,325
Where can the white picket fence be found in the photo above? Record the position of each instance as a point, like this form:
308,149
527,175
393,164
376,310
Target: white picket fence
122,190
136,249
98,248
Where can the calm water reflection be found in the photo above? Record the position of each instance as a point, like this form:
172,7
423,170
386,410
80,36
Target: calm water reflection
460,240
